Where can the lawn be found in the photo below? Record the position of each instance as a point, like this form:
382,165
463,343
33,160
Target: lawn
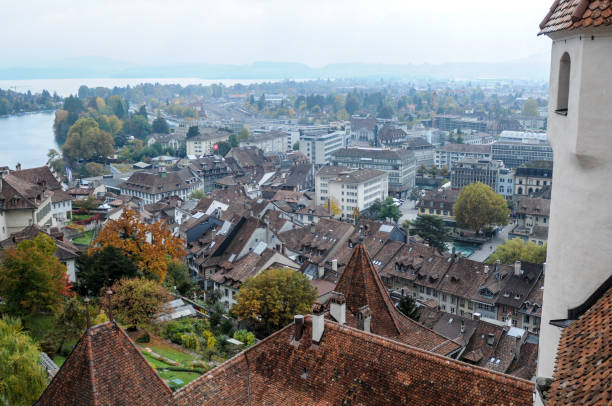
85,239
59,360
79,217
123,167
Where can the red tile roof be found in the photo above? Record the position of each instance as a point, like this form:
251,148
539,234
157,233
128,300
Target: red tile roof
583,370
573,14
362,286
106,368
348,366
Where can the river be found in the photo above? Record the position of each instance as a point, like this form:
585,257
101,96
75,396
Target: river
26,139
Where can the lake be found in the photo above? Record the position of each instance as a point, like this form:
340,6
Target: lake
26,139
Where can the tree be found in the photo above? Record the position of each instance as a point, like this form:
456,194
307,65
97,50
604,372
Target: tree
477,206
233,140
223,148
142,111
22,377
351,104
432,229
32,279
136,301
86,141
94,169
388,209
148,245
519,250
160,125
333,207
138,126
193,131
178,276
385,112
244,134
71,321
530,108
408,307
118,106
271,299
296,146
245,336
102,268
196,194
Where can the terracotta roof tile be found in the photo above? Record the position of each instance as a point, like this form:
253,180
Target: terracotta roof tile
583,370
573,14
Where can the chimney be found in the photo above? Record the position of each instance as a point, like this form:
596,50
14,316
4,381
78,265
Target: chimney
312,229
486,269
321,271
337,308
18,166
283,249
298,321
517,268
453,251
476,316
509,320
497,262
543,265
335,265
318,322
364,318
462,326
490,339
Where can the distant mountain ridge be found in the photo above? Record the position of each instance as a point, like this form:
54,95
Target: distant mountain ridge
532,68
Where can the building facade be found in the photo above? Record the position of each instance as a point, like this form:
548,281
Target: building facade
515,154
532,177
318,146
400,165
469,170
275,141
351,189
151,187
204,144
448,154
423,151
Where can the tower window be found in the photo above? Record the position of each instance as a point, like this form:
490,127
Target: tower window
564,83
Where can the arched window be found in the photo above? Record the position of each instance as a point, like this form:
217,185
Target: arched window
520,191
564,84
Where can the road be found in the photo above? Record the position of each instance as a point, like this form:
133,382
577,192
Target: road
485,250
409,212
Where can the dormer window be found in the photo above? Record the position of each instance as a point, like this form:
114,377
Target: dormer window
563,85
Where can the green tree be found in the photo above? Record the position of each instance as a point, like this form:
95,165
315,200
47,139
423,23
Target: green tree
233,140
296,146
160,125
385,112
102,268
244,134
94,169
142,111
86,141
118,106
245,337
136,301
271,299
389,210
138,126
22,377
178,276
193,131
223,148
408,307
519,250
32,279
196,194
432,229
530,108
478,205
351,104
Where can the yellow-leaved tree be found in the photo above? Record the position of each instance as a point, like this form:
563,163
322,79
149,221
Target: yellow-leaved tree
478,205
149,246
271,299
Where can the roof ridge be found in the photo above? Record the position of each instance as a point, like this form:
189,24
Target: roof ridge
90,365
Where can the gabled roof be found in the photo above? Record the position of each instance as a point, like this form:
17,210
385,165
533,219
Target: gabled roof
584,366
573,14
348,367
40,176
362,286
17,193
106,368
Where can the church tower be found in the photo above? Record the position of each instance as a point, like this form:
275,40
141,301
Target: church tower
579,260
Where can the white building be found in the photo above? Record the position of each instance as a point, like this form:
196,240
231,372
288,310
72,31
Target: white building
204,143
448,154
579,123
152,187
350,189
318,146
523,136
274,141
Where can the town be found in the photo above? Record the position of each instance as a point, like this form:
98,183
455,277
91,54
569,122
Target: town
317,242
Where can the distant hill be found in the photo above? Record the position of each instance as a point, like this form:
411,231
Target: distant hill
532,68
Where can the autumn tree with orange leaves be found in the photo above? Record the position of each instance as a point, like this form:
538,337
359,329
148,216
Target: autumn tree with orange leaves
32,279
149,246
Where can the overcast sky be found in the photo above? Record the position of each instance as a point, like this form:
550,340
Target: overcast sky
314,32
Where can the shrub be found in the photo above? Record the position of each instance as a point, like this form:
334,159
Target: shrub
245,336
191,341
145,338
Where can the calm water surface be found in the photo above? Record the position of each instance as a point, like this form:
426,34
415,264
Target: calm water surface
26,139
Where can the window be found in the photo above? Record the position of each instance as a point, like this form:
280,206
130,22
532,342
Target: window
429,291
564,84
421,289
470,305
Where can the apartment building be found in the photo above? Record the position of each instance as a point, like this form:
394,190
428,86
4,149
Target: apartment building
399,164
438,203
532,176
350,188
515,154
318,145
204,143
151,187
470,170
423,151
274,141
448,154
